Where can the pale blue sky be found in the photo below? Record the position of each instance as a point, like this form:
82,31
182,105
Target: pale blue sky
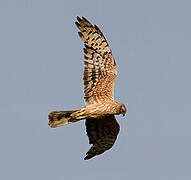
41,67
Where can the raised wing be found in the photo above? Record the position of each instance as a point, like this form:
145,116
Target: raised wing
99,65
102,134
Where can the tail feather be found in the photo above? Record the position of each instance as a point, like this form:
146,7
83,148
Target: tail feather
61,118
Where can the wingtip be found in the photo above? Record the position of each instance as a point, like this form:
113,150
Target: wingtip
86,21
77,17
88,157
77,24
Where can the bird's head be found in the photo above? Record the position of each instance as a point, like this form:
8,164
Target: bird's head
123,109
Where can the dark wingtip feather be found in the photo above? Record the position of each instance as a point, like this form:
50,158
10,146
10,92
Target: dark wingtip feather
78,18
86,21
77,24
86,158
89,156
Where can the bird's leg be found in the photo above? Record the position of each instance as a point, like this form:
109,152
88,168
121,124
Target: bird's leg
79,114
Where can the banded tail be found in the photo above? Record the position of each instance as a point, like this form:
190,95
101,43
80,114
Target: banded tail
61,118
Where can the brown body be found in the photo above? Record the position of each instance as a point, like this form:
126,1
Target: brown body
98,110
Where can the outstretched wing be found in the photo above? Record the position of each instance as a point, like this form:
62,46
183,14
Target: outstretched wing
102,134
99,65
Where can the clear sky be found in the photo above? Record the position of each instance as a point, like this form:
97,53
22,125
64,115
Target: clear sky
41,68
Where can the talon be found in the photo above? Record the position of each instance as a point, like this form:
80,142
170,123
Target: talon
78,115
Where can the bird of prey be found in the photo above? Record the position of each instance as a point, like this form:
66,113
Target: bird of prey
100,107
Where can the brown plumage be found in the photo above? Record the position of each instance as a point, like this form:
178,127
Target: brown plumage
99,75
60,118
102,133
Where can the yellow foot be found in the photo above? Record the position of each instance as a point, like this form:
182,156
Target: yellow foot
79,115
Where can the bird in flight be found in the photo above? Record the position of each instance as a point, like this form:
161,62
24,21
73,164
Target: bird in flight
100,107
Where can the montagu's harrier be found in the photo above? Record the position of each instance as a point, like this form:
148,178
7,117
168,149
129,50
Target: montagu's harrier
100,107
